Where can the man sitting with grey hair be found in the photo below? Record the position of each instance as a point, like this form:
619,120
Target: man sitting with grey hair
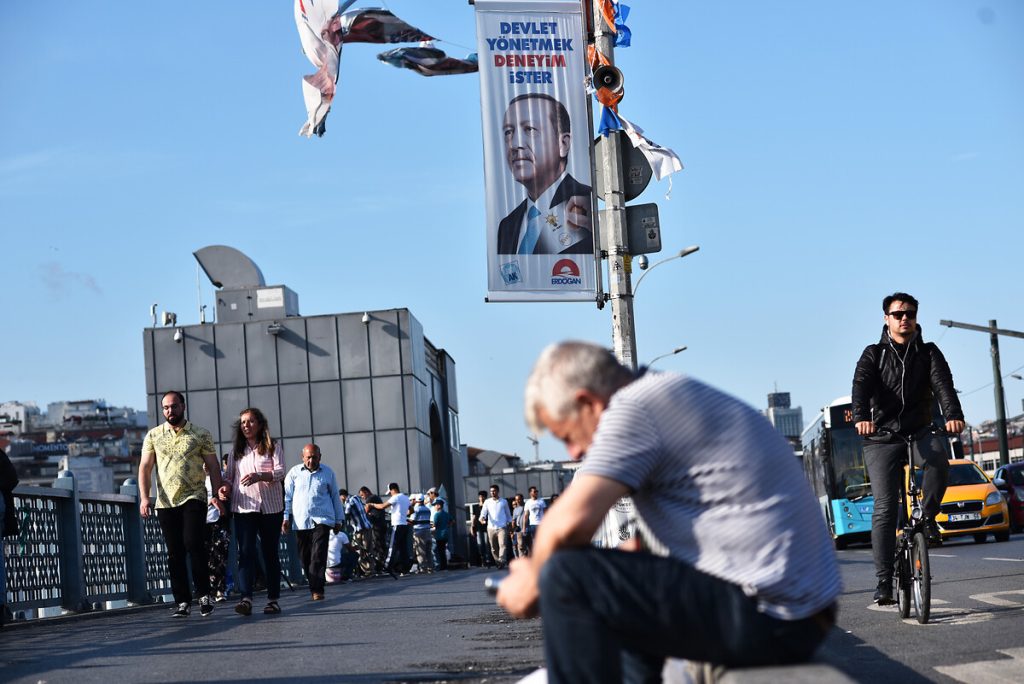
737,567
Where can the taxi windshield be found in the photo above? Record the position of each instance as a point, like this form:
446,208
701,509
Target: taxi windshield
960,474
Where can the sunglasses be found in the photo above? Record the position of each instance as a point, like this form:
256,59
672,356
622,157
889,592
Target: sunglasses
900,315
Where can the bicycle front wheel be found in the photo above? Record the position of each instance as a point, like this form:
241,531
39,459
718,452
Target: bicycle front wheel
901,577
921,577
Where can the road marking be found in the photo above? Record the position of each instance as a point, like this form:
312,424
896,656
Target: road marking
940,616
941,555
993,598
1008,560
988,671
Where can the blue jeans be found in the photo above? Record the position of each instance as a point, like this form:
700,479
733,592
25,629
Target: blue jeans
268,526
614,616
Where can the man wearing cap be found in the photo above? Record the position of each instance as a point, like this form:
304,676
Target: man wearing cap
422,543
440,522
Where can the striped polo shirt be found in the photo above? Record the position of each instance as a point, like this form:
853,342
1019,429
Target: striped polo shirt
262,497
717,487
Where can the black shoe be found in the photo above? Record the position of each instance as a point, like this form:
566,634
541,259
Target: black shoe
205,605
931,532
183,610
883,594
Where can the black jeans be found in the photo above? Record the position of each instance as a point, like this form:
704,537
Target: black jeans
313,555
184,529
398,550
614,616
885,470
268,526
441,550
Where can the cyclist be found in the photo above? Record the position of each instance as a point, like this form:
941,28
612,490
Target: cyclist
894,387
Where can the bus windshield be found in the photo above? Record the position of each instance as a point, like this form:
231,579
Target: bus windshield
848,465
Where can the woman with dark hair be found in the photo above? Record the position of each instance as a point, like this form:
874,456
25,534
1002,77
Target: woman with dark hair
255,471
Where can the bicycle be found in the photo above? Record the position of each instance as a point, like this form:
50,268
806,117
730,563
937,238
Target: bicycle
912,578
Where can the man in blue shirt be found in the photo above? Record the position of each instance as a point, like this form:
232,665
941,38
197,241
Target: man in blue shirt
440,521
313,506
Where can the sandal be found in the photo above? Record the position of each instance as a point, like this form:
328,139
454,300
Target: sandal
244,607
272,608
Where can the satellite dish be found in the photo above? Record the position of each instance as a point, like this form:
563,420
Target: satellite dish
227,267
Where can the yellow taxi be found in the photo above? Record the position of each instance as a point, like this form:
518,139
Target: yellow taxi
972,504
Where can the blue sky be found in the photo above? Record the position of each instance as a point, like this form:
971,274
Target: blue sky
834,152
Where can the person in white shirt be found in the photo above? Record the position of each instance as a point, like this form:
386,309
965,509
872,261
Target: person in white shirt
535,507
398,549
496,514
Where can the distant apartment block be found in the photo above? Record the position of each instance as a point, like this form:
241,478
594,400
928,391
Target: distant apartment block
788,421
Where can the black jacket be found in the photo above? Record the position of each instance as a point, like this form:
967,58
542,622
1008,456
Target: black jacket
895,385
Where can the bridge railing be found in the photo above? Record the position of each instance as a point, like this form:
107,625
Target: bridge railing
78,550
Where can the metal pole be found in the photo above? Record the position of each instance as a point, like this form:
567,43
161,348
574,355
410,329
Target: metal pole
1004,448
620,291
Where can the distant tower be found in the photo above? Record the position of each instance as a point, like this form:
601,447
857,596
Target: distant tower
788,421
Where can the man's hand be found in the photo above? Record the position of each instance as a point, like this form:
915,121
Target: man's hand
217,504
224,493
577,212
865,428
284,527
955,427
519,593
145,507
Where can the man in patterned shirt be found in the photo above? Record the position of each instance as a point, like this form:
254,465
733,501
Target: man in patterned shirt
737,568
178,449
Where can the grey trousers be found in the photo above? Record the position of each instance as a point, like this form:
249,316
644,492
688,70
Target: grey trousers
885,470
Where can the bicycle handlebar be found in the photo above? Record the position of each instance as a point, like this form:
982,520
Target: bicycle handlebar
929,430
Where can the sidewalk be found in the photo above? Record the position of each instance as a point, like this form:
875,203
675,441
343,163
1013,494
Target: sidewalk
433,628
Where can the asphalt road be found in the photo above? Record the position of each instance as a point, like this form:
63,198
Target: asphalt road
976,631
445,628
436,628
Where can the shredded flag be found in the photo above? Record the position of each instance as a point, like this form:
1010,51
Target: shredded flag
664,161
323,28
313,18
427,60
623,36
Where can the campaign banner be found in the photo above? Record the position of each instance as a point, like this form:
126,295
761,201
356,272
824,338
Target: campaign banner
536,135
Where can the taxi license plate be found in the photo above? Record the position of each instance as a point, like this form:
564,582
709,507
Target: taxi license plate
956,517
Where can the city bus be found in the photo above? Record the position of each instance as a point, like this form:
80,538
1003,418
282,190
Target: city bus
833,461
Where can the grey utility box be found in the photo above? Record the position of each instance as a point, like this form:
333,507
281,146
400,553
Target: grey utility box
256,304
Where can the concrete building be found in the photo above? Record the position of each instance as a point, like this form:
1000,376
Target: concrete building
368,387
788,421
17,418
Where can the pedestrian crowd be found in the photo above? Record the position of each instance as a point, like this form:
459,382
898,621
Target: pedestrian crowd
251,498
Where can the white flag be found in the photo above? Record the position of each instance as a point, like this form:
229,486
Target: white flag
313,19
663,161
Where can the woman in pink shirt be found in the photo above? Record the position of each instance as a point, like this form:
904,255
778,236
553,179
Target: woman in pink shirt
253,479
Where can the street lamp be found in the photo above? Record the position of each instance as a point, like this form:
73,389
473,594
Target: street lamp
683,252
671,353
